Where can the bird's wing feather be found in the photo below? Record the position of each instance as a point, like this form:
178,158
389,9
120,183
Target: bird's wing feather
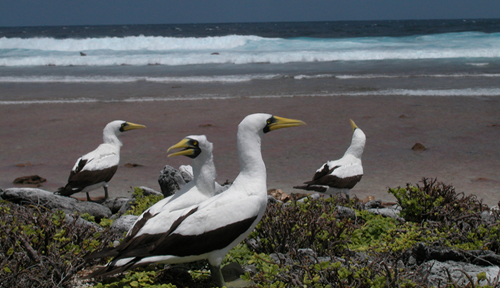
192,231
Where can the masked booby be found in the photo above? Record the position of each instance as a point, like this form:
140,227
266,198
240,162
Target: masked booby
202,187
96,168
343,174
210,229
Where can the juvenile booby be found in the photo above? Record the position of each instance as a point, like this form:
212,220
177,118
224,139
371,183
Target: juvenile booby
343,174
96,168
202,187
210,229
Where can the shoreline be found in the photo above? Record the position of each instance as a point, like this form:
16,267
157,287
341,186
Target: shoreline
460,134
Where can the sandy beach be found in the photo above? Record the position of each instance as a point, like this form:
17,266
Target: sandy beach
460,133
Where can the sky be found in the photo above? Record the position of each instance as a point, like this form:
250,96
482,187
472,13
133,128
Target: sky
106,12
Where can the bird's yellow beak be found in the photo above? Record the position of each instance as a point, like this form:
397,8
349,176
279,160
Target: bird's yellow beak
184,143
353,125
277,122
132,126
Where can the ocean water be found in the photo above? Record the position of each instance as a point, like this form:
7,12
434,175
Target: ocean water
416,58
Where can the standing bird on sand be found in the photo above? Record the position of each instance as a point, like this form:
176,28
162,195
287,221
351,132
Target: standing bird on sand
210,229
96,168
202,187
343,174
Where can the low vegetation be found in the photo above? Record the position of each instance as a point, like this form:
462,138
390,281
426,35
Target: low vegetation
307,243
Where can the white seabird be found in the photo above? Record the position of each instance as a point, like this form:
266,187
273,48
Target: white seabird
210,229
343,174
202,187
96,168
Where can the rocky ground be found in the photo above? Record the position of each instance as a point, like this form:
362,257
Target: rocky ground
329,242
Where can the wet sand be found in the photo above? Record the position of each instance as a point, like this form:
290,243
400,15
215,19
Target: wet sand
461,135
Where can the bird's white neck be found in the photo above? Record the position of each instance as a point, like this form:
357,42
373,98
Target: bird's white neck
109,137
357,144
204,173
252,167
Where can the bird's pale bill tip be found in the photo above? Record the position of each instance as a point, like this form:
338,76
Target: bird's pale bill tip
282,122
182,144
353,125
132,126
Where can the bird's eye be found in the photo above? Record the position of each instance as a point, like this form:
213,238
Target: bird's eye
195,143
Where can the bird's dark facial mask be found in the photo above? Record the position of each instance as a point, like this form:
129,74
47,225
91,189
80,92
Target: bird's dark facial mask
276,122
126,126
191,148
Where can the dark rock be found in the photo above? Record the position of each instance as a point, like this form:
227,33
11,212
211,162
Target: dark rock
50,200
125,207
171,180
418,147
114,204
124,223
373,204
344,212
423,253
32,179
232,271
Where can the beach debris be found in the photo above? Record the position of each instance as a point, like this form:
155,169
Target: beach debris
24,164
278,194
367,199
215,53
402,116
205,125
418,147
132,165
32,179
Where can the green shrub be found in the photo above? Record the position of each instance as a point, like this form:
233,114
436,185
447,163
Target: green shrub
435,202
40,248
142,202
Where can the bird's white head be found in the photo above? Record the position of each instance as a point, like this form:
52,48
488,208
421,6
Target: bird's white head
262,123
115,128
193,145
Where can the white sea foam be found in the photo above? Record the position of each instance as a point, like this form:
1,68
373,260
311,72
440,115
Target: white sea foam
456,75
480,92
129,79
235,49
